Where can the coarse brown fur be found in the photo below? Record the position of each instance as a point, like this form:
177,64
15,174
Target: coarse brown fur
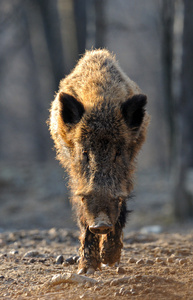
98,123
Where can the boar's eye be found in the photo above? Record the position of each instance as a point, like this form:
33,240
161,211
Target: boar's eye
118,153
85,156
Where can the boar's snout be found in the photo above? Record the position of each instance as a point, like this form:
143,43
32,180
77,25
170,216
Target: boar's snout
101,228
101,224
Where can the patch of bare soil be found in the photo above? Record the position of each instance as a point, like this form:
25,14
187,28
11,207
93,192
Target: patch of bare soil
153,266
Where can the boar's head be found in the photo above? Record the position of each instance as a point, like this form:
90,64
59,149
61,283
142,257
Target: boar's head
102,142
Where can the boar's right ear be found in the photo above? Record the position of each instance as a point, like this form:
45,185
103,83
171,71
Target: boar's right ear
71,110
133,111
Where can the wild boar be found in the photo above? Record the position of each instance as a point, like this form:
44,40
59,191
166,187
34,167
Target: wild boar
98,122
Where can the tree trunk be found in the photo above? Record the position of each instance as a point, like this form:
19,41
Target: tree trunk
41,79
167,16
183,200
51,24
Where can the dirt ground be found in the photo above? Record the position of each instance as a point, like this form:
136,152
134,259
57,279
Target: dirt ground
37,235
153,266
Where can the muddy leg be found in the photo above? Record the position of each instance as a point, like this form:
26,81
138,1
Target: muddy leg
111,245
89,253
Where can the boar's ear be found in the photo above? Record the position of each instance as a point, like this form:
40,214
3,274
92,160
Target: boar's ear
133,110
71,110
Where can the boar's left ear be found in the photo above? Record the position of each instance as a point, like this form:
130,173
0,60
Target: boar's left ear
133,110
71,110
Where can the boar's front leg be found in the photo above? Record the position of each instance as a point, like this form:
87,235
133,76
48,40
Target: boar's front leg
111,245
89,253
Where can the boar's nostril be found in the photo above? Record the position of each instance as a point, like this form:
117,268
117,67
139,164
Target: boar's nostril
101,228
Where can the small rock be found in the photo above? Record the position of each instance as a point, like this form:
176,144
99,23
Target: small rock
13,252
170,259
121,270
76,258
140,262
174,256
160,259
70,260
183,261
133,292
131,260
32,260
2,277
32,254
157,251
70,278
53,232
149,262
59,259
121,291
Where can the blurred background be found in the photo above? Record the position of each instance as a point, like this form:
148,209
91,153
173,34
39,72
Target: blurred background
40,42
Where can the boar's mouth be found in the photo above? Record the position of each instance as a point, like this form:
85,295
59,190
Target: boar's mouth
101,228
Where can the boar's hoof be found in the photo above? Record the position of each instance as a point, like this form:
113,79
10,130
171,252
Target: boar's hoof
101,228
